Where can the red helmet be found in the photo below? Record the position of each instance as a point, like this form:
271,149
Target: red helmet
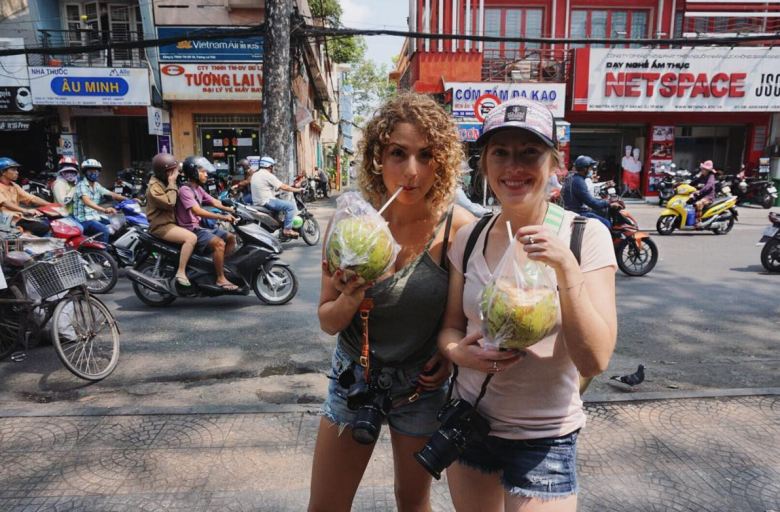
69,162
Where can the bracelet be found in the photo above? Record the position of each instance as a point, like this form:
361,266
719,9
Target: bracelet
570,287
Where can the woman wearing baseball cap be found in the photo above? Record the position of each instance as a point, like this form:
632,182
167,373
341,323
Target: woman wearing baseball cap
532,403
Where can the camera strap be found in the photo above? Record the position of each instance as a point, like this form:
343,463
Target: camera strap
365,309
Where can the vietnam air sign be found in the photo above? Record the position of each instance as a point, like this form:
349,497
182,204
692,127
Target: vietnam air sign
100,87
224,49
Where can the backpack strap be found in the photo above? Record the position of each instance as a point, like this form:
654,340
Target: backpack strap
472,241
577,235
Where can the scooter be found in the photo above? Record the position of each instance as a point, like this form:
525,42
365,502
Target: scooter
132,182
124,227
636,252
672,179
103,270
770,239
255,265
303,222
719,217
754,191
40,185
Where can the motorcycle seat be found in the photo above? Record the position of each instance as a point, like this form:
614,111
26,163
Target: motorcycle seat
16,258
264,210
718,201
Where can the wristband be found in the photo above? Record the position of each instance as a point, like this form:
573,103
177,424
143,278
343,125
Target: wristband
567,288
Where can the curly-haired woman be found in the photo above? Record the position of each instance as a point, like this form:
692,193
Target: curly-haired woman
411,143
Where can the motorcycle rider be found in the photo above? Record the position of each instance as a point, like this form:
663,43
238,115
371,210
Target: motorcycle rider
12,194
190,211
64,187
243,187
264,187
87,197
322,180
577,197
706,194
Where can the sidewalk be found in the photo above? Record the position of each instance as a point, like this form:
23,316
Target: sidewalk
693,454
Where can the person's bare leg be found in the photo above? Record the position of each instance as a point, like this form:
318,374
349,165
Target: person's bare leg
217,245
521,504
188,240
473,490
230,245
412,481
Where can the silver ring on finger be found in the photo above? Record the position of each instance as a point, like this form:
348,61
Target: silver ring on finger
531,239
495,366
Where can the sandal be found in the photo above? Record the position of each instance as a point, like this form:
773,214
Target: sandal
183,281
228,287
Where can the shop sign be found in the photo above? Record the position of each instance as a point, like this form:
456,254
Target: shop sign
15,99
159,121
14,126
212,81
163,143
67,146
229,49
466,94
469,132
89,86
685,80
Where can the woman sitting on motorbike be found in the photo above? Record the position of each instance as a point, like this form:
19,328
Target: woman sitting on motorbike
706,194
161,211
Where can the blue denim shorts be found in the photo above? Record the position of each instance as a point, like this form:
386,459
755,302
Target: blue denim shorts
532,468
415,419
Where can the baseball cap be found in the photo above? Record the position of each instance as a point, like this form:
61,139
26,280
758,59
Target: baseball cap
520,113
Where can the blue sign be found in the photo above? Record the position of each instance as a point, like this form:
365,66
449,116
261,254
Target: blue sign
88,86
469,132
229,49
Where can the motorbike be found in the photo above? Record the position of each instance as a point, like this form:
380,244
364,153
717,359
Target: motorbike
124,227
39,185
754,191
671,180
255,265
132,183
722,187
719,216
770,239
303,222
103,270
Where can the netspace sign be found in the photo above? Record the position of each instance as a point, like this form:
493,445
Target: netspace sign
699,80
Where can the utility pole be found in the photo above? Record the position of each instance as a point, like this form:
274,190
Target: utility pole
276,133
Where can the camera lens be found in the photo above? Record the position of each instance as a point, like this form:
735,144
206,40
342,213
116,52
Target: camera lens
440,451
368,424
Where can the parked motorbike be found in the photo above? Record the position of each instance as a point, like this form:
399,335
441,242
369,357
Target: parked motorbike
103,270
125,226
255,265
770,239
39,184
671,180
719,216
722,187
754,191
132,183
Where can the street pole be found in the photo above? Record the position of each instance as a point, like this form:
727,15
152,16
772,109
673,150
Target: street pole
339,143
277,87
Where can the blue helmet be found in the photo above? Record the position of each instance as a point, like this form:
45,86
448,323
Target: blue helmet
7,163
266,162
584,162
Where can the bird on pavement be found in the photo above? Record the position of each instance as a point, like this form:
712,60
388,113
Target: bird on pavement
633,379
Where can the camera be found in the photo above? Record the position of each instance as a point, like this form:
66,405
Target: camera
370,401
460,422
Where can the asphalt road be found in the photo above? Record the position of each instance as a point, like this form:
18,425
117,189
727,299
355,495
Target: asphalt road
706,317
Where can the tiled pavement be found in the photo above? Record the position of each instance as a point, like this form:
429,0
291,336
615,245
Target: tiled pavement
710,454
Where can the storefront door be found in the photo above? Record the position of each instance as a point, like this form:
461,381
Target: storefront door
224,146
609,146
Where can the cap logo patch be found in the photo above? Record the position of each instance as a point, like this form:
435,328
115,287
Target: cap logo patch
515,113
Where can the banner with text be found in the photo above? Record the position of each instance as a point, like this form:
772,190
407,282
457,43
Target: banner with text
226,49
212,81
685,80
466,94
99,87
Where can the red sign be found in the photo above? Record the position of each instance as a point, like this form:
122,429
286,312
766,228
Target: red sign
485,104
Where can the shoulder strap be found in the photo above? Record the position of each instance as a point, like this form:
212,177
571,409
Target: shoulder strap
577,234
194,193
447,227
472,241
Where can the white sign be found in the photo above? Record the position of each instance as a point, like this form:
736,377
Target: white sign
212,81
13,68
101,87
159,121
687,80
67,146
465,95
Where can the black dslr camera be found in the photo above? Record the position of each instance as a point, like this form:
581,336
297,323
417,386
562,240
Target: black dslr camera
460,422
371,401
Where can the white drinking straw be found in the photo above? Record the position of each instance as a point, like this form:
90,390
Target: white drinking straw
400,189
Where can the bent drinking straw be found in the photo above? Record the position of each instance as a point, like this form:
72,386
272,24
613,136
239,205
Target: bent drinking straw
400,189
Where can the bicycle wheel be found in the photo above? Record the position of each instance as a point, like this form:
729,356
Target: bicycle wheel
85,336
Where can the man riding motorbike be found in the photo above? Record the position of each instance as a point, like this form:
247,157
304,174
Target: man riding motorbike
576,196
87,197
64,187
243,187
190,211
12,194
706,194
322,180
264,187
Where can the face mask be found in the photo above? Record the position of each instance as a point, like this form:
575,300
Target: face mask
70,176
590,174
92,176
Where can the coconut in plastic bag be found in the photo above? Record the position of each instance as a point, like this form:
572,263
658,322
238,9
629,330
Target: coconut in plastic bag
359,241
519,305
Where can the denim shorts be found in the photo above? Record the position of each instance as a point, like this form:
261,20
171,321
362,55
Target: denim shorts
532,468
205,236
415,419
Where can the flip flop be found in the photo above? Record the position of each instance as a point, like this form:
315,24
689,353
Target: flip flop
183,281
228,287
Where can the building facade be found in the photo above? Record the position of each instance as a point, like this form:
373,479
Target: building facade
635,108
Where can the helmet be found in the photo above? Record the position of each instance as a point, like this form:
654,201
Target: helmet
91,163
7,163
68,172
267,162
191,165
68,161
244,163
162,163
584,162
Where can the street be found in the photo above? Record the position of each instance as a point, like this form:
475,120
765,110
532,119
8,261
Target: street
705,318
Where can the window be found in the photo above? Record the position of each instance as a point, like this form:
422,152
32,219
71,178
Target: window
511,22
608,24
102,22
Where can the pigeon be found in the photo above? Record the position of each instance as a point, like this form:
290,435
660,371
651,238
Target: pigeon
633,379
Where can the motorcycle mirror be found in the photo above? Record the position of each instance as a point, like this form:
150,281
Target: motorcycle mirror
228,202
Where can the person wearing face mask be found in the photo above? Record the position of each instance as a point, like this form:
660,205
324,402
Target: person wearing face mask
576,196
64,186
12,194
88,195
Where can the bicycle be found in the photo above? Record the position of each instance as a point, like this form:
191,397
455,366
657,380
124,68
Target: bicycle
84,333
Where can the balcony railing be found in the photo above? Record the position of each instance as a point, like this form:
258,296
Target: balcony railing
119,58
528,65
712,26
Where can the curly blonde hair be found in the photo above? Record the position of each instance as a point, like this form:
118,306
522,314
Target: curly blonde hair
440,133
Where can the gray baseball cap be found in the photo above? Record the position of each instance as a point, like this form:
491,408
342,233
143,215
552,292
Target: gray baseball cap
520,113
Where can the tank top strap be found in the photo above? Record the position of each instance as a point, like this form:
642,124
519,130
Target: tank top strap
436,231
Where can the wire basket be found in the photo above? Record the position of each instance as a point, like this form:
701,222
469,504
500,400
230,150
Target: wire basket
55,275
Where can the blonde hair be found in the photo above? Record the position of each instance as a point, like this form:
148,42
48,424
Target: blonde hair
439,131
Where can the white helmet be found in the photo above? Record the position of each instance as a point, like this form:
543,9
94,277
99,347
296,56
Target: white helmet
266,162
91,163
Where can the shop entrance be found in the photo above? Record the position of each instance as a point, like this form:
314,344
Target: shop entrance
610,147
226,145
724,145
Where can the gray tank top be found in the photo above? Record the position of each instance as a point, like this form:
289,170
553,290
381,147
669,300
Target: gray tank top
408,310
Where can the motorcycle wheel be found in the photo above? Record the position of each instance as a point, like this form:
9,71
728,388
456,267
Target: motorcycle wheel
770,255
105,268
767,202
277,287
636,263
310,231
723,231
666,225
151,297
309,195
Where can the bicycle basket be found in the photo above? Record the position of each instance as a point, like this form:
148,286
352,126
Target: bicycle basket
55,275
